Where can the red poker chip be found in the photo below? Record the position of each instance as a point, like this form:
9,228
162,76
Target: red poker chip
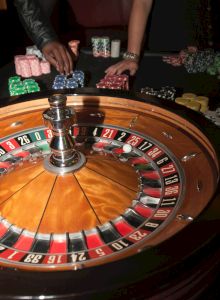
119,82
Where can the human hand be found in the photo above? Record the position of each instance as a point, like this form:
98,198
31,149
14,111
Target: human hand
58,56
120,67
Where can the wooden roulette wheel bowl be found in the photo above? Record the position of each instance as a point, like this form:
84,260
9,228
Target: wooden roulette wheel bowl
143,207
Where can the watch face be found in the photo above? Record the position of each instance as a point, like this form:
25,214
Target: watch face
131,56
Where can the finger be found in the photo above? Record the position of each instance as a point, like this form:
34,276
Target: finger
70,62
111,72
51,60
133,71
59,59
112,69
65,60
122,69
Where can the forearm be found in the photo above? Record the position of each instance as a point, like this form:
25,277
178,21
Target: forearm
137,24
36,25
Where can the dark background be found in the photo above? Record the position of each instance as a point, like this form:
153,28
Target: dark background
14,39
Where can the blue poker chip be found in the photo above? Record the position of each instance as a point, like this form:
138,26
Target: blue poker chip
71,80
59,82
72,84
58,86
60,77
75,81
78,75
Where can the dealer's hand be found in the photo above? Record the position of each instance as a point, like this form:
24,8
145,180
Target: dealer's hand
122,66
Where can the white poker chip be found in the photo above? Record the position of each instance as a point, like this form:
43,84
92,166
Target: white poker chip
213,116
127,148
33,50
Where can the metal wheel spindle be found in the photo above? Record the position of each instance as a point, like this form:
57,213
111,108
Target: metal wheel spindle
59,118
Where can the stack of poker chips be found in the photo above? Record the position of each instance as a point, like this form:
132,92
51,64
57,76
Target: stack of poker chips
33,50
196,61
19,87
214,68
101,46
214,116
177,60
65,82
74,46
115,48
31,85
192,101
199,61
114,82
166,92
30,65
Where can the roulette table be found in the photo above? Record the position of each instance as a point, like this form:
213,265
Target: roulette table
107,195
152,72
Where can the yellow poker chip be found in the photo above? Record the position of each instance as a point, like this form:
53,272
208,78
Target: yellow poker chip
182,101
193,105
204,108
190,96
203,100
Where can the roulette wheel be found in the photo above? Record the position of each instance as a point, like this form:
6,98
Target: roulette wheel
106,195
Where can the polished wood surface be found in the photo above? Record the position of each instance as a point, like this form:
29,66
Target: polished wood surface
39,201
103,189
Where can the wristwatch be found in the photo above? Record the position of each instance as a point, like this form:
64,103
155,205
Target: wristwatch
131,56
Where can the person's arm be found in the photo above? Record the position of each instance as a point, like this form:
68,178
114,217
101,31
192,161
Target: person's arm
137,23
42,34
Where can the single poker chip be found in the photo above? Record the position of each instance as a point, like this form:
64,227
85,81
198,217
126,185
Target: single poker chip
17,87
190,96
58,86
60,79
71,83
74,45
25,67
78,73
17,64
59,82
202,99
182,101
45,67
33,50
17,93
28,81
101,85
204,108
14,79
33,89
193,105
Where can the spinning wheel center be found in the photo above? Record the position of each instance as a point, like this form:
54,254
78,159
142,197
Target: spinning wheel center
59,118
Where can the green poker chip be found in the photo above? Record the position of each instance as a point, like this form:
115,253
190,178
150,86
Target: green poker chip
18,87
14,79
